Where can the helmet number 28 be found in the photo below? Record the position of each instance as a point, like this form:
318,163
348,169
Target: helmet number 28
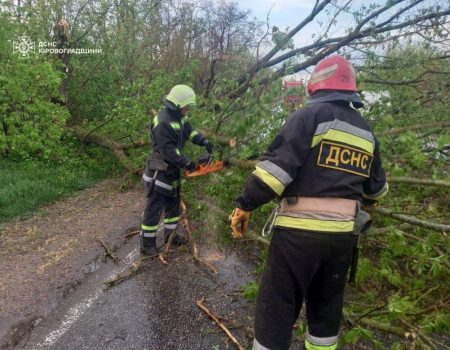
345,78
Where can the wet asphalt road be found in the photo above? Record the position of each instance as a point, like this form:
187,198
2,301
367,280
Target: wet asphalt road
155,308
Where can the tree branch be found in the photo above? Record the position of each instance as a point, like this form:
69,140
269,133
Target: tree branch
416,80
413,221
362,34
105,142
260,63
397,131
421,182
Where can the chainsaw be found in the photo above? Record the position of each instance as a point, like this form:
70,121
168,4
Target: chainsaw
206,165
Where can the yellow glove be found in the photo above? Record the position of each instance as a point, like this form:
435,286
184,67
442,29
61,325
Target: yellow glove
239,222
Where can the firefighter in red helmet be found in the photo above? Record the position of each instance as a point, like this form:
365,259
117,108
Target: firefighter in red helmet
324,162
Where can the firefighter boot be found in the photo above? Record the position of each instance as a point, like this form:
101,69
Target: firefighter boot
176,239
148,245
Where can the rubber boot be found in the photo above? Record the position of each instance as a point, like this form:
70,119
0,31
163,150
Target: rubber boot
148,245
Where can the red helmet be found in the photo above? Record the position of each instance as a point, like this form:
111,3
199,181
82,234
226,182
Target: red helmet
332,73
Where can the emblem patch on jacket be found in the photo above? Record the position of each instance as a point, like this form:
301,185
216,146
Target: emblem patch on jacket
342,157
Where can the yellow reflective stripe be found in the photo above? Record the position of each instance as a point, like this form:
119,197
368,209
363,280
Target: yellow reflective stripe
155,121
310,346
341,136
193,134
177,151
175,125
269,180
149,228
314,225
169,220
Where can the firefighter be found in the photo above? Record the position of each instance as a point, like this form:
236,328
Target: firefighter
322,164
169,132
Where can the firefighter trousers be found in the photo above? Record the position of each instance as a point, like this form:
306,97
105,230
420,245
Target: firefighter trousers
157,205
302,266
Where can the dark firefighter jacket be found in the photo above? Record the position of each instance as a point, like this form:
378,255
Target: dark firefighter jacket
169,132
323,150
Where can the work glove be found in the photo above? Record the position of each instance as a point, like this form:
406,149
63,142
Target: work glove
209,146
239,222
191,165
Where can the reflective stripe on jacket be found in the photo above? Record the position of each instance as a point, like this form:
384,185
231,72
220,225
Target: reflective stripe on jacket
323,150
169,133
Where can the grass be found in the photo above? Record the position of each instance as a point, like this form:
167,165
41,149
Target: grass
25,186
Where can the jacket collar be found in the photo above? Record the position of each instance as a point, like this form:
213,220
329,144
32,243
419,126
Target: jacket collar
173,110
336,95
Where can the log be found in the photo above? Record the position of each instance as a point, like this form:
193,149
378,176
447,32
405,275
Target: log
136,144
220,139
105,142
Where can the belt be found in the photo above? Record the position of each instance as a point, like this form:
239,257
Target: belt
341,206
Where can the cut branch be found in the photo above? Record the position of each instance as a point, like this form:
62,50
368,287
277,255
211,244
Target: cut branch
109,252
201,305
413,221
135,266
416,181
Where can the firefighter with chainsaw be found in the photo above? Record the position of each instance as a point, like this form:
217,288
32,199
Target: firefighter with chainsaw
324,162
169,132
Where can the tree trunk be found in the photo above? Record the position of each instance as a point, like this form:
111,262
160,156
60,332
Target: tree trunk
105,142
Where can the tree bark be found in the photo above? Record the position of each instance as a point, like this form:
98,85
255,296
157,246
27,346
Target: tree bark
105,142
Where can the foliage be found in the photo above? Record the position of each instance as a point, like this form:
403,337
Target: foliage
31,124
358,334
405,269
147,47
251,291
26,185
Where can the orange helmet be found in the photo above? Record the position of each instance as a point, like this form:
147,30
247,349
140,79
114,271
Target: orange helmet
332,73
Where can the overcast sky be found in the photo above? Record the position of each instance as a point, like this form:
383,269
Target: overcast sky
284,12
289,13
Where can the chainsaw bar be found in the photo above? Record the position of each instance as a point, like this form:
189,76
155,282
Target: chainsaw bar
203,169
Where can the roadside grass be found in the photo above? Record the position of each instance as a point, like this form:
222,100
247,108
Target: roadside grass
25,186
